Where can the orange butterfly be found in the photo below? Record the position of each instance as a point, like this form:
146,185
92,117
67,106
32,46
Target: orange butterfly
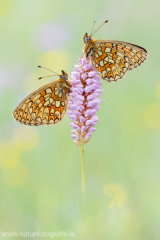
112,59
47,105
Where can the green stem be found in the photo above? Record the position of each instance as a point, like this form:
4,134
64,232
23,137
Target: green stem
83,178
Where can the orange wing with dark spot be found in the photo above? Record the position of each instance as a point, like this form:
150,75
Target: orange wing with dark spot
112,59
48,106
111,65
21,114
45,106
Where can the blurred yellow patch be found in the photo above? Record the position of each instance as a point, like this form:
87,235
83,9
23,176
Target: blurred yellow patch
10,155
16,176
5,7
131,224
152,116
11,152
32,83
116,194
26,138
158,90
56,61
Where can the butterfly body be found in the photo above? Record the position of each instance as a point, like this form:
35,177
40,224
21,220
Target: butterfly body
45,106
112,59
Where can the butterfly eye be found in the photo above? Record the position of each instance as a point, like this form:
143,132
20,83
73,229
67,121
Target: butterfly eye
62,76
88,38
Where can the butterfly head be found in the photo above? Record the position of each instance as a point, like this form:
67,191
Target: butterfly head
64,75
64,80
87,38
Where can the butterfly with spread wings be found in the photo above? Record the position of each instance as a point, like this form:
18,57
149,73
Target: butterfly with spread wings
47,105
112,59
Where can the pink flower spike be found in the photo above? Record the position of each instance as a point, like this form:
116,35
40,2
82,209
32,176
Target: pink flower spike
88,67
73,131
83,129
84,76
75,81
76,74
78,69
82,119
74,136
93,112
79,90
92,74
89,80
72,106
87,113
90,97
80,98
84,101
97,107
95,119
98,91
91,129
93,103
88,89
97,95
73,94
80,108
97,78
88,135
74,126
73,118
89,122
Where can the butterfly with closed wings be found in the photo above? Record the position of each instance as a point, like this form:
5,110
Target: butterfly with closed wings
47,105
112,59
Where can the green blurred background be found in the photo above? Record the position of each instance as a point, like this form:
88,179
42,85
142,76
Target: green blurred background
40,172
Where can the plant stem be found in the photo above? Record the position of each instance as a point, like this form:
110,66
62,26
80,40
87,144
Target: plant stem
83,179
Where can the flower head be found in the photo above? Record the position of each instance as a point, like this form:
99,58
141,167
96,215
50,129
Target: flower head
84,101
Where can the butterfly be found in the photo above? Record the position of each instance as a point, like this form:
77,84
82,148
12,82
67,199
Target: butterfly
47,105
112,59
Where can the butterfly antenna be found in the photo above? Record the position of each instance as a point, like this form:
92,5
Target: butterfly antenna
92,27
100,26
46,76
48,70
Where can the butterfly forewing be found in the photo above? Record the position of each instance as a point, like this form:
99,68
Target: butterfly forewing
137,55
110,64
112,59
48,106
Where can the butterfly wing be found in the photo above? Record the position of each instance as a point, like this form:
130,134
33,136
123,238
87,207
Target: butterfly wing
112,59
111,65
137,55
22,115
48,106
45,106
